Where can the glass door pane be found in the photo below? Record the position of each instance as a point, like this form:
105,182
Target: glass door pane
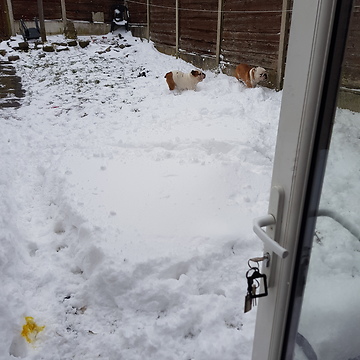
330,315
329,326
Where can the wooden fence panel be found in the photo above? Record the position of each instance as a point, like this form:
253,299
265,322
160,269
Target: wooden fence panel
82,9
25,9
198,26
162,20
251,32
351,66
138,12
28,9
76,10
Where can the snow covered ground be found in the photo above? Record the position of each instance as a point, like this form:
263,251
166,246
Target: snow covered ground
126,209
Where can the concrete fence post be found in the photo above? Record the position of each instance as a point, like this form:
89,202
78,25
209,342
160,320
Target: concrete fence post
41,20
148,19
11,17
177,29
219,31
63,13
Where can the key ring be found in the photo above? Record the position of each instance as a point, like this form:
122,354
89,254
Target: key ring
251,277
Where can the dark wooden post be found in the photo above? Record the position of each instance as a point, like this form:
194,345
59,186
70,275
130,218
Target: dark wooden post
4,23
284,37
6,19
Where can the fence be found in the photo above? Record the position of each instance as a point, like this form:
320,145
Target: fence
218,31
56,13
227,32
80,10
206,32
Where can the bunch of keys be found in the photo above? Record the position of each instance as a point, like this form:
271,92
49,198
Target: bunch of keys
253,277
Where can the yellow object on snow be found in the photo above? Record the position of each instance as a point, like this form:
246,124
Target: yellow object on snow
31,329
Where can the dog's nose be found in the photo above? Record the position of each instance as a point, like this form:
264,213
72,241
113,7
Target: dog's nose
265,76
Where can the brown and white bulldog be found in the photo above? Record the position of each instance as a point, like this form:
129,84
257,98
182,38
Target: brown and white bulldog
182,81
250,76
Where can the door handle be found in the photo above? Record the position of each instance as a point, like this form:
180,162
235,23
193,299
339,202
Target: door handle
342,220
271,244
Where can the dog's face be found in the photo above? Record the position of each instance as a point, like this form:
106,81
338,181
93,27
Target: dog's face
200,76
260,74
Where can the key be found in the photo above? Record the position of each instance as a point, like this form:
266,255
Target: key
254,275
256,260
253,294
257,276
250,280
248,297
248,303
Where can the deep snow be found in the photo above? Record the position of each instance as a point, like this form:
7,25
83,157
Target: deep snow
126,209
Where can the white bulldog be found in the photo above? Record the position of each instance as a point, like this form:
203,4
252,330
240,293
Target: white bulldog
182,81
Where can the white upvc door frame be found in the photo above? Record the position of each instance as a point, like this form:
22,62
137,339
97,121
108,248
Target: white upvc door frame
310,75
